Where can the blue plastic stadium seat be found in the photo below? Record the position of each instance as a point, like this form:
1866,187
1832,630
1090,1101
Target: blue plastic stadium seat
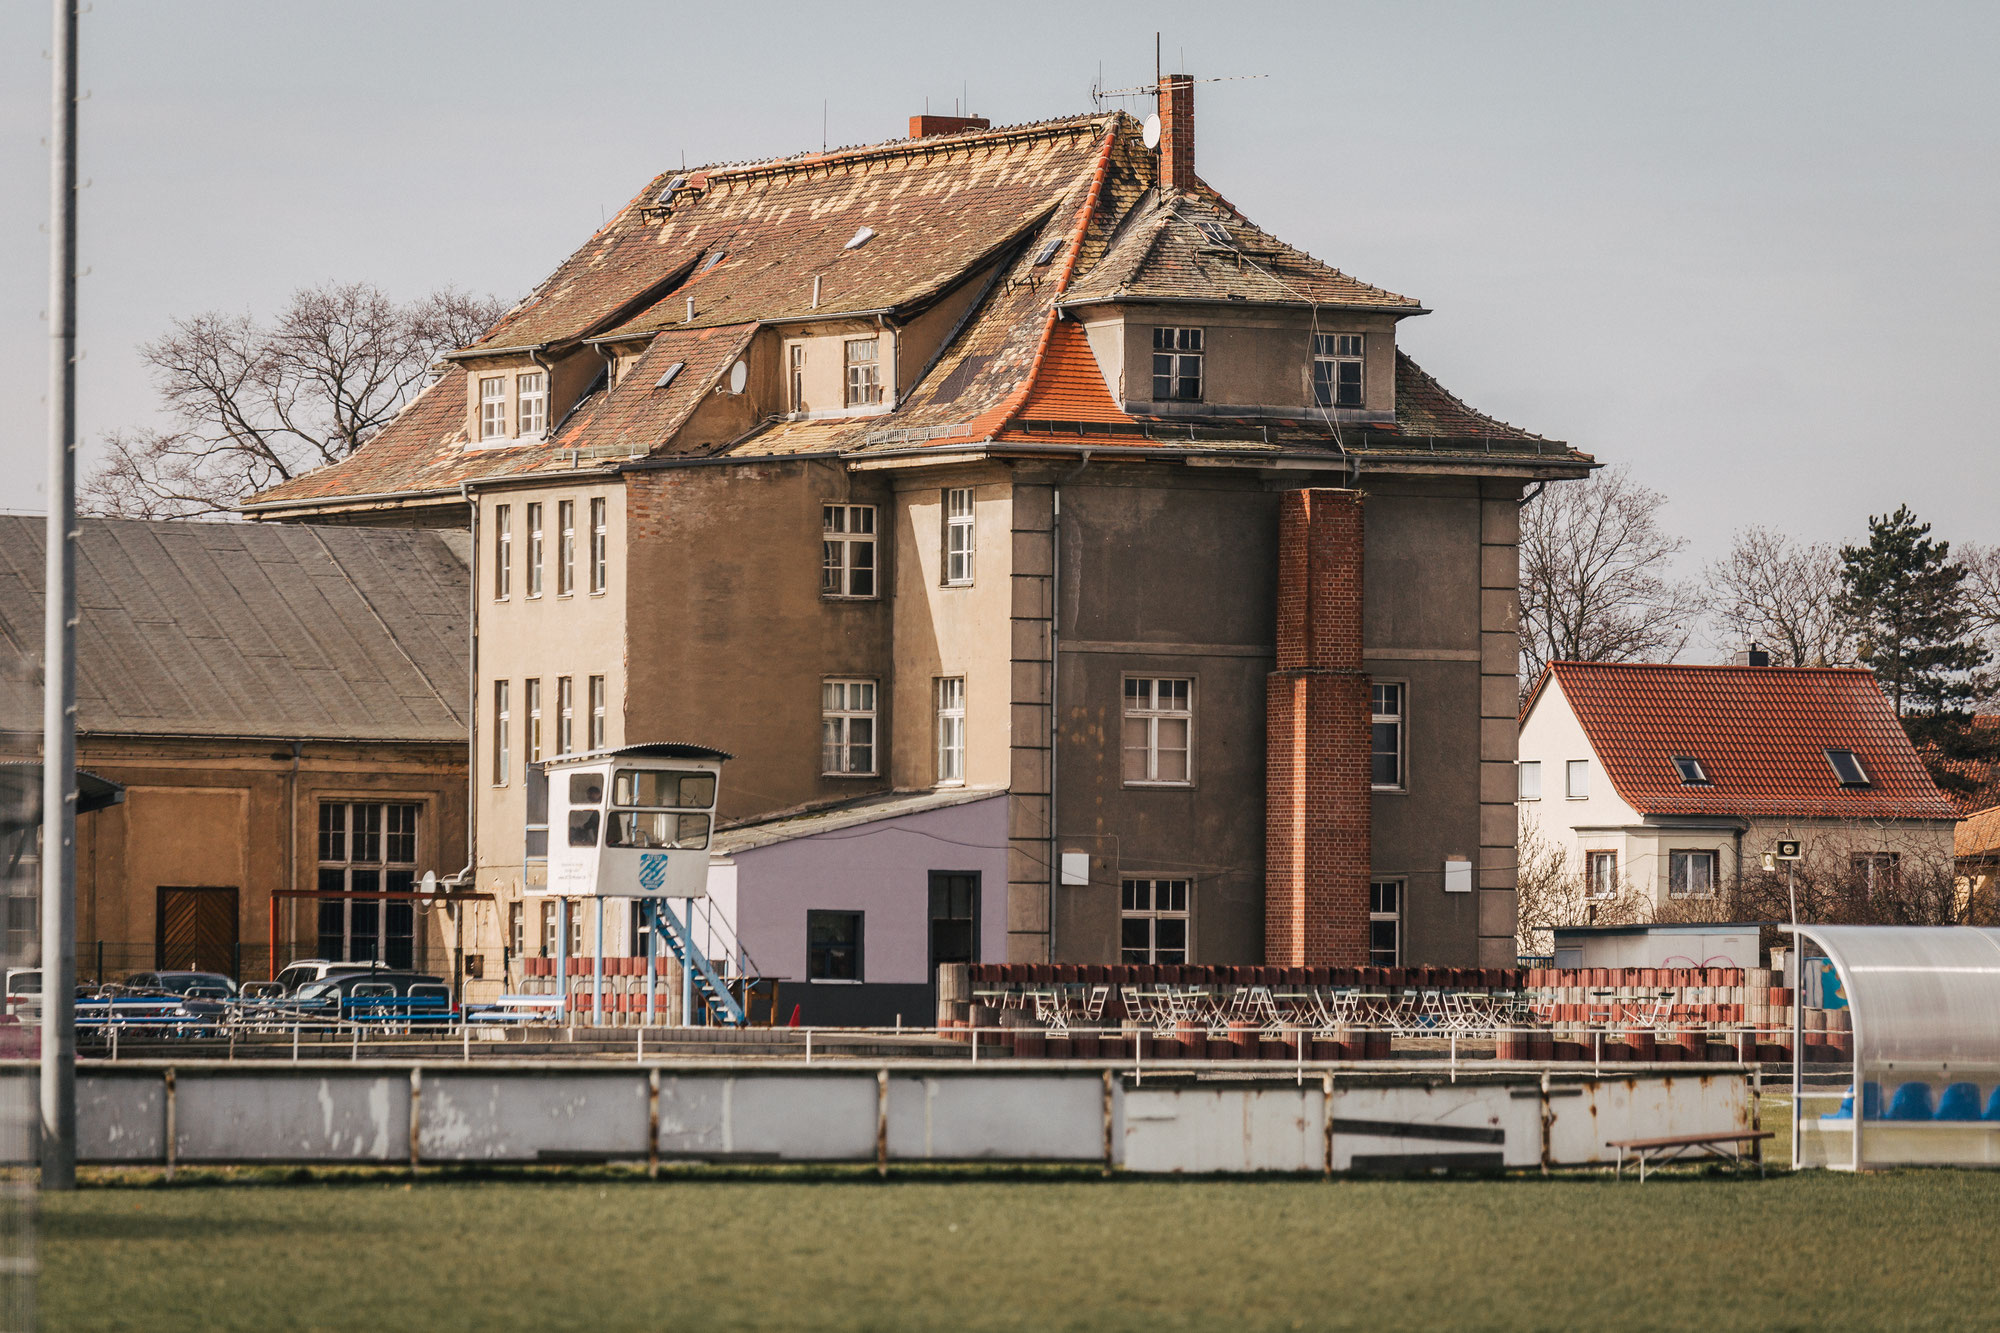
1960,1102
1871,1103
1993,1106
1912,1102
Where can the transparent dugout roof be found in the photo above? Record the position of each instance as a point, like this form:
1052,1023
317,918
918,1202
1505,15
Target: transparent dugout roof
1925,1000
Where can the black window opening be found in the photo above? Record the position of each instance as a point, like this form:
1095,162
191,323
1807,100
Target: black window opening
833,946
1691,771
954,917
1847,768
1177,365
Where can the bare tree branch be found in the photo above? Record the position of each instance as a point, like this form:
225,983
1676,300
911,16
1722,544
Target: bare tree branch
1783,596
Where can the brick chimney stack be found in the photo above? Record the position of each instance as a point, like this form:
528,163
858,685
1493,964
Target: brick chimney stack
1176,133
1317,797
924,126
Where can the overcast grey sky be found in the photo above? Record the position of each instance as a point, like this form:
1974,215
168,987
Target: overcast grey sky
1749,249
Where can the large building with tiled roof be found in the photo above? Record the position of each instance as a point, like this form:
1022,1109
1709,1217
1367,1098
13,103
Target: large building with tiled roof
1016,457
1676,779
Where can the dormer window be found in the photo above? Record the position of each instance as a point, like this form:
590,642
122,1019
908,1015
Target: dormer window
493,407
1337,369
532,404
864,372
1177,365
1847,767
1691,771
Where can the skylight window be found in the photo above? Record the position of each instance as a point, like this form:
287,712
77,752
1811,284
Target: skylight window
1847,767
1216,233
667,376
1691,771
861,238
1048,251
712,261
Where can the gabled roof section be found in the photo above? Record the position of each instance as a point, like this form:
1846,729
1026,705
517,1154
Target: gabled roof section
1761,734
1426,409
640,416
1188,248
1070,386
249,629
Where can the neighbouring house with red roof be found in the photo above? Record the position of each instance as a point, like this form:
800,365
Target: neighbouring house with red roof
1673,779
1013,458
1976,845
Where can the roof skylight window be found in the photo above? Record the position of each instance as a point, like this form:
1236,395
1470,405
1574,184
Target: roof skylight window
1048,251
861,238
712,261
1847,767
1691,771
1216,233
667,376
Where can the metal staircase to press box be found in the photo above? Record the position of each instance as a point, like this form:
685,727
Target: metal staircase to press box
710,986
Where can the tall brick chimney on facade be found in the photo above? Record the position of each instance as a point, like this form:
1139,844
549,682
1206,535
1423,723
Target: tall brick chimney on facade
1176,132
1316,776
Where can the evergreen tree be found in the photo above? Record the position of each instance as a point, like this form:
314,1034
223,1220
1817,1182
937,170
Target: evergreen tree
1907,599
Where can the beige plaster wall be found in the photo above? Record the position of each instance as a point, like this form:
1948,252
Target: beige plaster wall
1253,358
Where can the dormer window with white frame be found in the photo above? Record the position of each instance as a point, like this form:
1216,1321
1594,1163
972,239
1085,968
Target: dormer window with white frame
492,407
864,372
531,412
1337,369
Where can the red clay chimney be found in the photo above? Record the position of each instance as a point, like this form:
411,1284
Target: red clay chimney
923,127
1316,776
1176,132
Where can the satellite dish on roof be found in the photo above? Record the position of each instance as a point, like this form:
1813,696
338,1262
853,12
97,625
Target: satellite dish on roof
1151,133
739,375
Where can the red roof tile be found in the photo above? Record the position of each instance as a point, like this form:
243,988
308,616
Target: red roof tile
1761,733
1069,386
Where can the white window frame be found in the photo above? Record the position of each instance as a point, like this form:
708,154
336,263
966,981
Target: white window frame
531,404
565,714
1390,915
1876,870
1137,903
848,707
840,541
535,548
492,407
565,547
600,545
1694,855
1866,779
950,696
1331,353
517,927
1528,780
597,741
795,367
503,552
958,537
1600,873
1576,780
1177,350
502,721
863,375
1695,766
531,690
1396,716
1145,708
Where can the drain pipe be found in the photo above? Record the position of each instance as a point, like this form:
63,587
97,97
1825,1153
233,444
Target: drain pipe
468,877
1055,684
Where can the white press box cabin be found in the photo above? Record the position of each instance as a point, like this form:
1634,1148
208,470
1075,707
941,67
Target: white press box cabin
634,822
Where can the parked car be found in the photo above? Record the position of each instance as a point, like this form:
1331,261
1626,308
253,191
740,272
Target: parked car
194,985
24,993
304,970
378,994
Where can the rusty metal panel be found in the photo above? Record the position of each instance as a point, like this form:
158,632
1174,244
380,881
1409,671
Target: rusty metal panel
512,1117
1641,1106
1461,1124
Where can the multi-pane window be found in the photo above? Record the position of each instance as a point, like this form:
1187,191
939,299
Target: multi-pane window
1153,921
493,407
833,946
1385,922
501,723
1528,779
565,714
532,742
1692,874
1600,870
864,372
503,552
565,547
531,397
1337,369
796,357
847,726
367,848
1177,365
549,916
1875,870
534,550
597,712
600,544
1159,722
1576,779
951,729
847,551
958,535
517,927
1385,756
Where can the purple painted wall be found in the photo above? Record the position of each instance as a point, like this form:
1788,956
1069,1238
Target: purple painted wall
880,869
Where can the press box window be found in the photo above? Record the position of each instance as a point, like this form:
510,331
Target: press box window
1385,922
847,551
1337,366
1153,921
1159,726
833,946
1386,739
958,536
1177,355
864,372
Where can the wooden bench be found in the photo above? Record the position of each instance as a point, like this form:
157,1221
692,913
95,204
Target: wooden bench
1726,1146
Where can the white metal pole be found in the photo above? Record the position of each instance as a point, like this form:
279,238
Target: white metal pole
597,973
651,909
562,961
58,1082
687,966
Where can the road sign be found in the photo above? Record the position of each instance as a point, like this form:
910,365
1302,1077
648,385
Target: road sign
1788,850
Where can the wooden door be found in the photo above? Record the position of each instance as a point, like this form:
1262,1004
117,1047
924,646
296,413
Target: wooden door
196,930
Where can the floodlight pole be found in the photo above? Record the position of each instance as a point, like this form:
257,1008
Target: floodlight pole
58,1072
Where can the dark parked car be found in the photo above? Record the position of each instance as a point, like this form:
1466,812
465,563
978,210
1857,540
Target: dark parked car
198,985
380,995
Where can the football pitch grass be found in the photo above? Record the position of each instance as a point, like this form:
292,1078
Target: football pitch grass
982,1249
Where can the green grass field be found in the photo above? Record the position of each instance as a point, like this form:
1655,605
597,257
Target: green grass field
607,1249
